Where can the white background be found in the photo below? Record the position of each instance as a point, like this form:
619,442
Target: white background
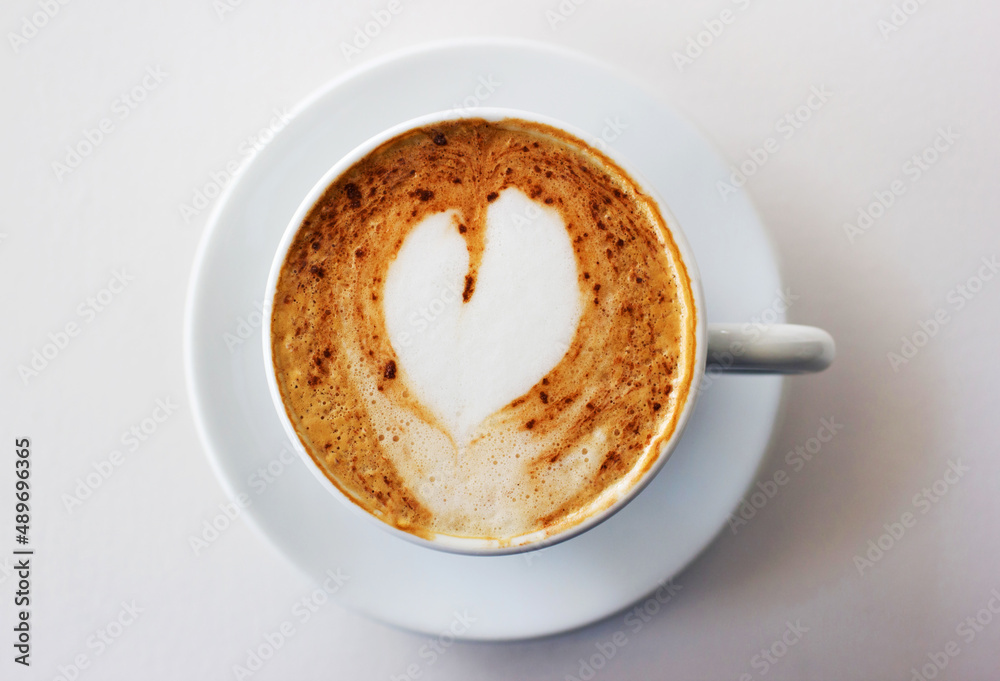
62,238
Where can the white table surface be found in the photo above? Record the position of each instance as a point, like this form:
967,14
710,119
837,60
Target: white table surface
222,78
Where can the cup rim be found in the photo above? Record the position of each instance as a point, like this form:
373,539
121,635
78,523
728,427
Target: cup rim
526,542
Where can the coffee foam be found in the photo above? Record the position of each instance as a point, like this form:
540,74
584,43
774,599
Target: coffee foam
467,359
483,330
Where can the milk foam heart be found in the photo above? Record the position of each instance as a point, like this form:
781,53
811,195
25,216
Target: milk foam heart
467,359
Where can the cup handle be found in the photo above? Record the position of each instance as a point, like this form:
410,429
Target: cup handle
774,349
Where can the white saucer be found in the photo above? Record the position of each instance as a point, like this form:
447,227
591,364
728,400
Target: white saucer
519,596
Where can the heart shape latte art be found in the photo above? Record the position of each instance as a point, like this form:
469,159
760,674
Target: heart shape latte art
468,351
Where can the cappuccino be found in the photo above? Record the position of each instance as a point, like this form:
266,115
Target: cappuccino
484,329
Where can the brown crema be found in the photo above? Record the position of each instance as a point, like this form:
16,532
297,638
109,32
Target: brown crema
586,432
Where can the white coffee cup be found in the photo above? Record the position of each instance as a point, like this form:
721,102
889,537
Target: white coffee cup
777,349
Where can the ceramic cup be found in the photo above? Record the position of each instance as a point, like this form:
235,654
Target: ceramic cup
736,348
